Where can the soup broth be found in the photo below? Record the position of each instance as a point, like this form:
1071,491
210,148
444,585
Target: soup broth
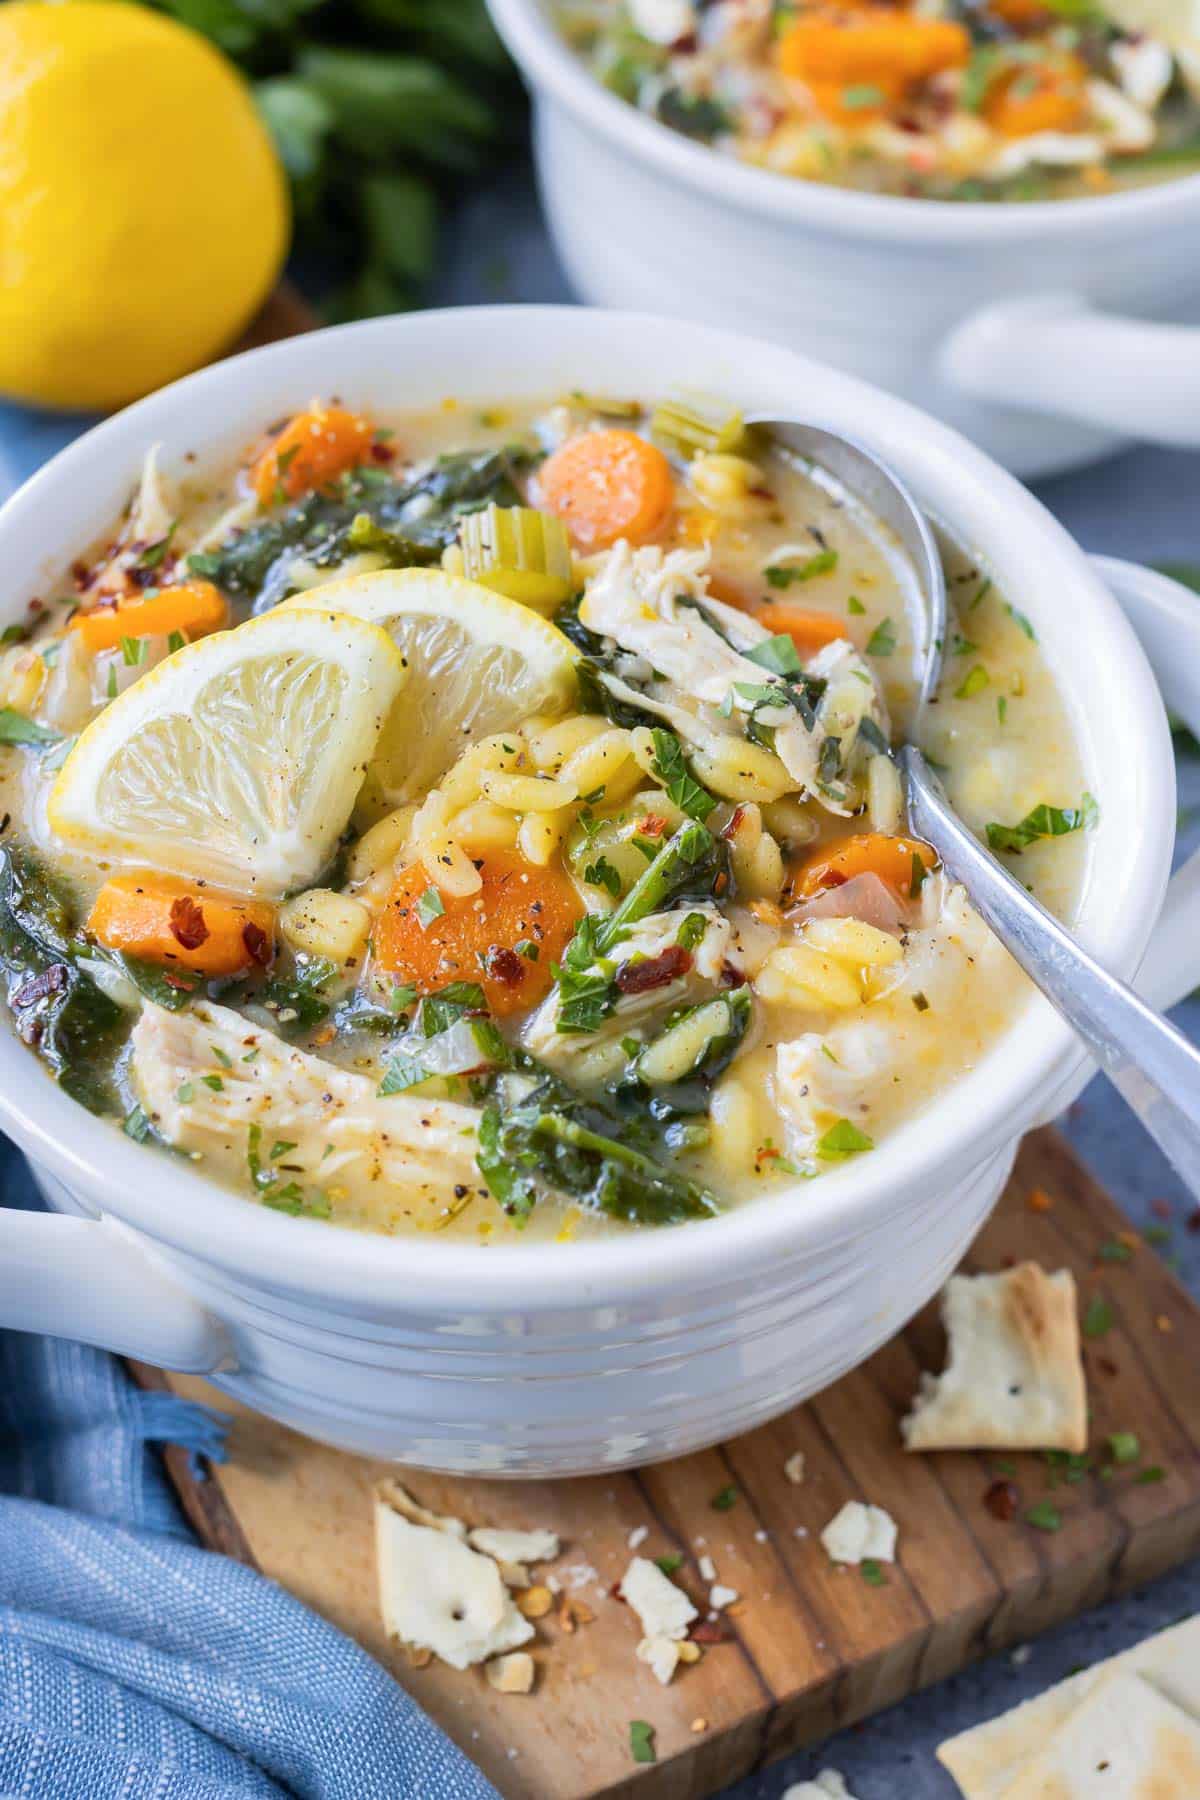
606,915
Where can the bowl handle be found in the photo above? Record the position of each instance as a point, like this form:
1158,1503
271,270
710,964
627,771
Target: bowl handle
1055,353
90,1280
1166,617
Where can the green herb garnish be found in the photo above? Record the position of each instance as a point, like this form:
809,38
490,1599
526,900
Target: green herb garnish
1044,822
641,1741
843,1139
783,575
430,906
882,641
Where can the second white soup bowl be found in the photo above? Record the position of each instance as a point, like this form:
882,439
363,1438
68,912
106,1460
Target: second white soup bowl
1050,333
559,1359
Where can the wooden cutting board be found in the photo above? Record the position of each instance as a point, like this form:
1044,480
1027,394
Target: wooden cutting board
810,1647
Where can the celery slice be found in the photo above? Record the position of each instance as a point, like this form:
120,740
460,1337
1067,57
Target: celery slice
518,552
692,434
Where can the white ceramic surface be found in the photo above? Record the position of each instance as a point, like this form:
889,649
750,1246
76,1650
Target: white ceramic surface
1076,307
561,1359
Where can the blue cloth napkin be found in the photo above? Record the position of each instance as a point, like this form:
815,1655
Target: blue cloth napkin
135,1666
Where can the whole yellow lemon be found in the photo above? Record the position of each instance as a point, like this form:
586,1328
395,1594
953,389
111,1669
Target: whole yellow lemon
143,210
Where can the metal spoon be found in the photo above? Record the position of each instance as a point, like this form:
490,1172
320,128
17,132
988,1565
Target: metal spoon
1151,1064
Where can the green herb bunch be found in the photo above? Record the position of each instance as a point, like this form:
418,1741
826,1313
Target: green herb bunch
382,110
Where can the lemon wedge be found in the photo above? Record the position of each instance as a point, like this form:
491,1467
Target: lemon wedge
478,662
239,759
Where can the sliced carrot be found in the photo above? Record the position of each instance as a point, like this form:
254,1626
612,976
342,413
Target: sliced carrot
182,924
311,451
1050,97
867,853
809,631
608,485
1021,14
859,64
193,607
475,938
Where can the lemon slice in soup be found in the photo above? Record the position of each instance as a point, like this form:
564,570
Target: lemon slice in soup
478,662
239,759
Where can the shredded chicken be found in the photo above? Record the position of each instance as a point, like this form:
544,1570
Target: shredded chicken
656,605
190,1072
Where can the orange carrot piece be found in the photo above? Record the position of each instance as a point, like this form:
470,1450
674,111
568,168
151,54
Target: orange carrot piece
476,937
866,853
311,451
193,607
182,924
878,49
1052,97
608,485
809,631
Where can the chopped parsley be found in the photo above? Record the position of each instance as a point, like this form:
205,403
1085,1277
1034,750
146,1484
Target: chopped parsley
973,683
1044,1515
403,1071
882,641
872,1572
843,1139
214,1082
430,906
450,1004
779,654
402,997
726,1499
670,1562
16,728
692,931
133,650
1044,822
1148,1477
1123,1447
185,1093
1115,1252
137,1124
672,771
981,593
528,949
641,1741
862,96
854,606
601,873
1001,709
1019,619
1099,1318
782,575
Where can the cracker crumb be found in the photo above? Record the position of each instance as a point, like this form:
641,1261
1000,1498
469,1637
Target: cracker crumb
638,1536
708,1569
793,1468
512,1674
699,1725
1164,1324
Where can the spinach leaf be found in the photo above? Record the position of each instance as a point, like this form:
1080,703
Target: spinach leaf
682,787
58,1010
548,1139
300,1000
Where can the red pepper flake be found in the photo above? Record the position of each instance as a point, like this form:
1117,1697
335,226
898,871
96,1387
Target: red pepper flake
504,965
1038,1200
179,982
1193,1223
732,977
1002,1500
735,822
1161,1209
382,453
652,826
654,971
710,1631
1107,1366
258,944
187,923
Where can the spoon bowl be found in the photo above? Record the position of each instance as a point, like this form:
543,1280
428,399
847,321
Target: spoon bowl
884,495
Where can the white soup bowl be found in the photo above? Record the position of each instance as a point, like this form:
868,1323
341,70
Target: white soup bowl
1050,333
559,1359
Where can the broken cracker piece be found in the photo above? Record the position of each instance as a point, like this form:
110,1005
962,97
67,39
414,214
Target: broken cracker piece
514,1546
663,1608
1014,1370
438,1594
793,1468
512,1674
860,1533
662,1654
401,1501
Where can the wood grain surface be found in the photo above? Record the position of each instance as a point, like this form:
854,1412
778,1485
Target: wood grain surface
809,1647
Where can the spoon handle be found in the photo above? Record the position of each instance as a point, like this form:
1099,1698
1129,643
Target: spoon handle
1152,1065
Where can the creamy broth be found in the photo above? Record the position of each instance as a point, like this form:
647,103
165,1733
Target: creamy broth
802,978
1012,100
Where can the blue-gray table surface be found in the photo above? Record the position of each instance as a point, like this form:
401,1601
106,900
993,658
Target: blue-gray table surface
1141,505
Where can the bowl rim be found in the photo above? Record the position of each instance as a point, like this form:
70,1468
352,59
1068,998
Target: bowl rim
539,48
989,1105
